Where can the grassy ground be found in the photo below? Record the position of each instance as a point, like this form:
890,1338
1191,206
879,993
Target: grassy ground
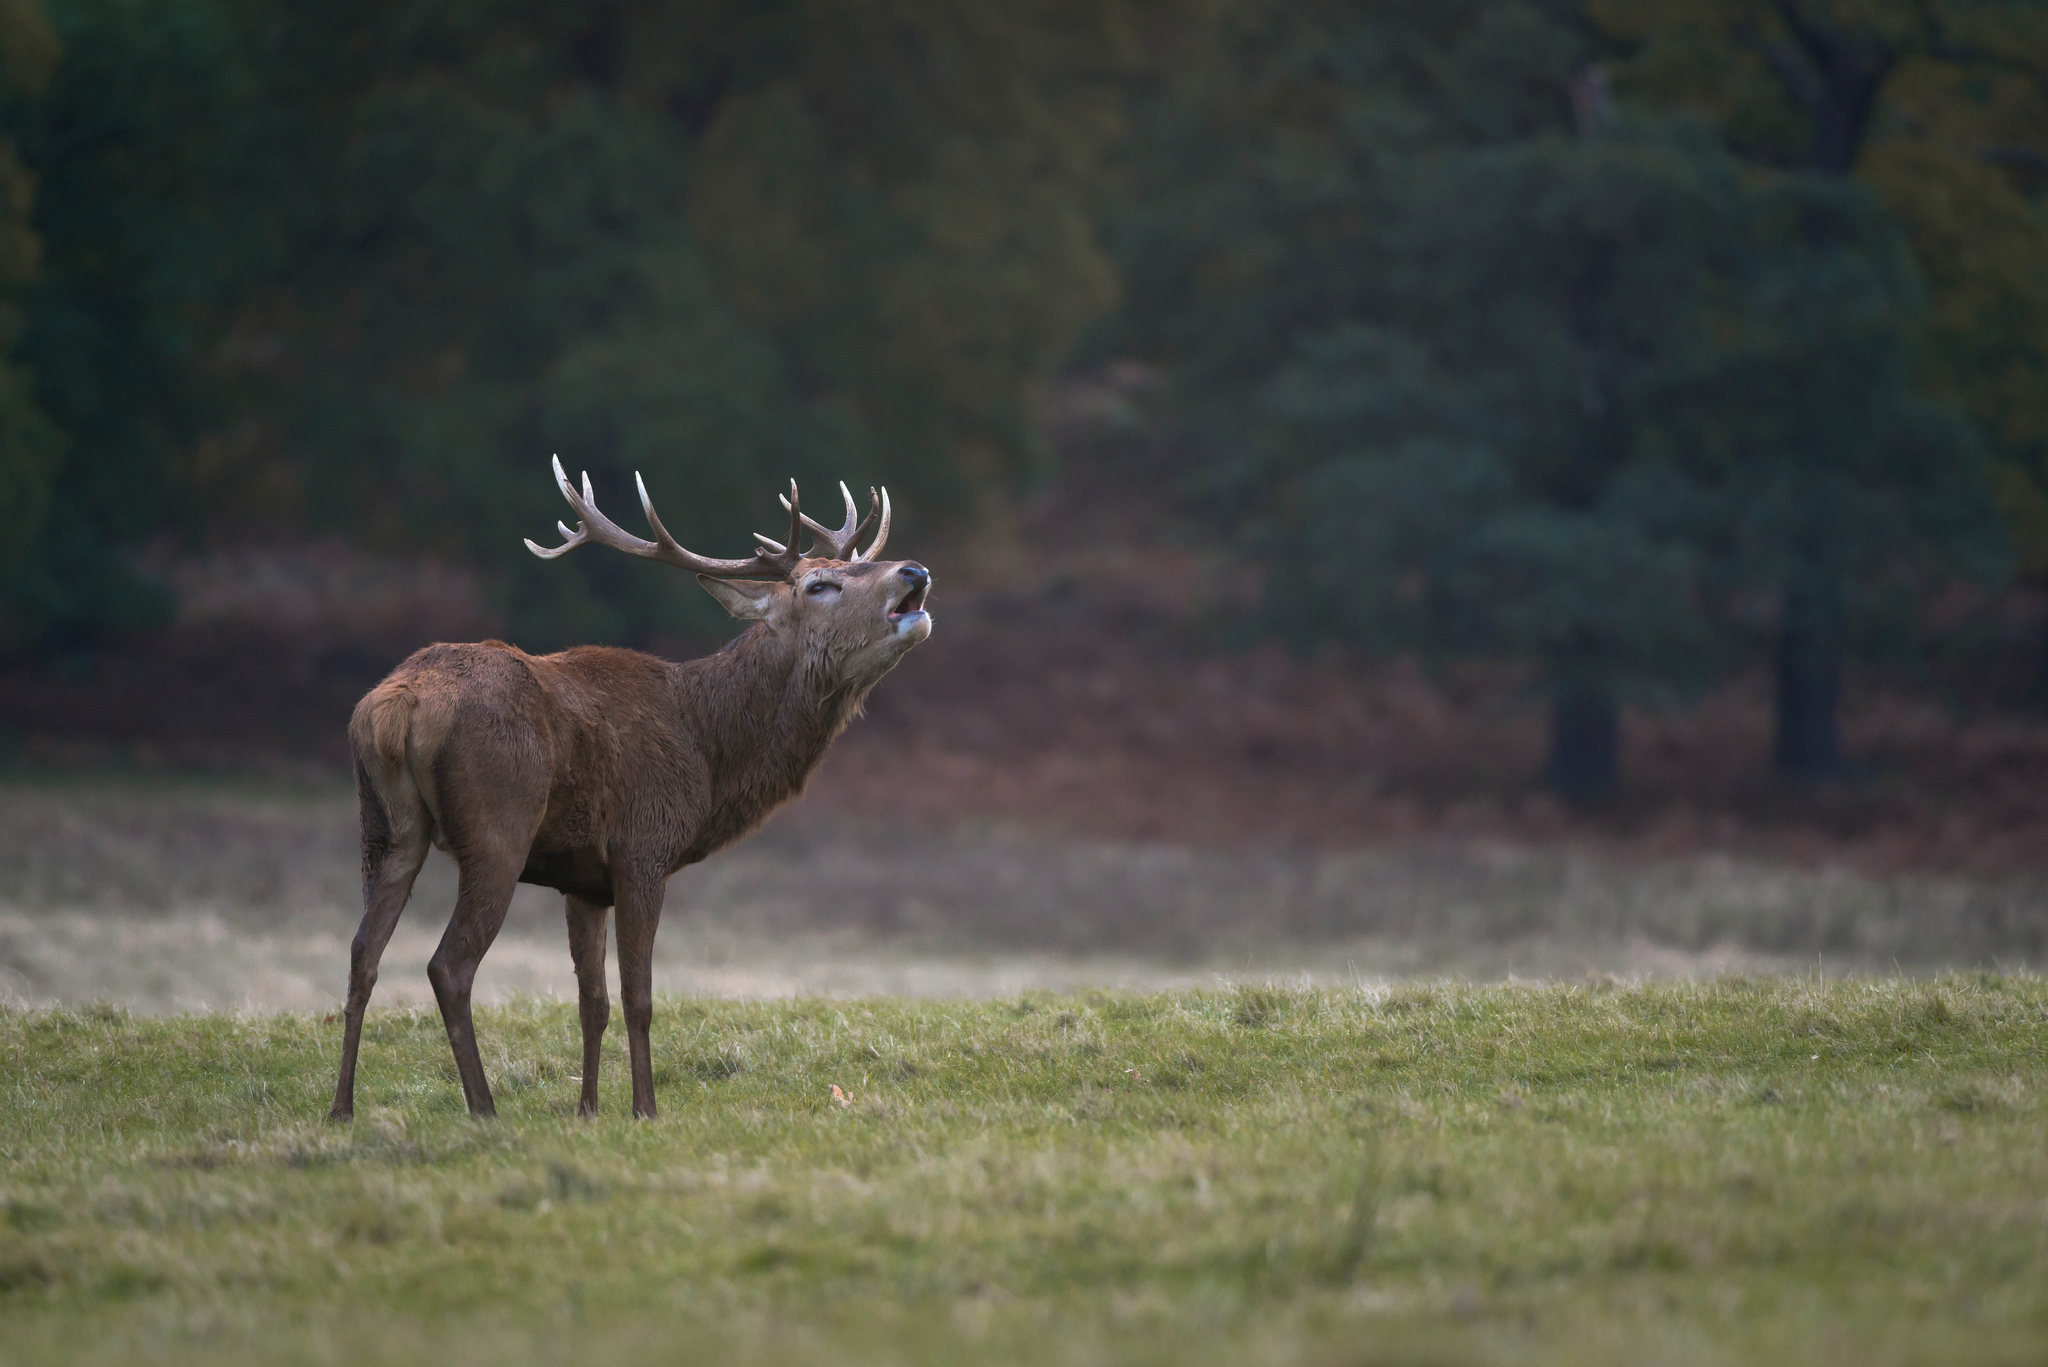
1789,1170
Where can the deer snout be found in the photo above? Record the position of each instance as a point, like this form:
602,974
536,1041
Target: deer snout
917,582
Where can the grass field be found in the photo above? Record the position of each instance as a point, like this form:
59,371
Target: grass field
1733,1171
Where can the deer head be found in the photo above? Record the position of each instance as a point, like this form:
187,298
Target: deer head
838,603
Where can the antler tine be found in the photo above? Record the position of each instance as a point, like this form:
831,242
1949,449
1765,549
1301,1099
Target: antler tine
647,511
874,508
571,540
837,545
595,526
784,557
882,532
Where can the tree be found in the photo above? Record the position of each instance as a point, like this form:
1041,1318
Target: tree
30,446
1566,397
1944,110
1844,481
1267,149
683,239
1490,468
131,143
1419,313
361,268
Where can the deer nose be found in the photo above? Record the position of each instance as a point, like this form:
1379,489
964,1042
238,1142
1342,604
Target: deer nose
914,572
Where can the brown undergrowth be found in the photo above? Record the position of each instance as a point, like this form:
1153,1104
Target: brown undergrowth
1073,687
1035,711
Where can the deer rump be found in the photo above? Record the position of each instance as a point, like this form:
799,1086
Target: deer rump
465,744
599,772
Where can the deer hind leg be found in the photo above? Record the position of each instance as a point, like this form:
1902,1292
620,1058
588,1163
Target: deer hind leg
587,926
489,781
395,838
639,900
484,889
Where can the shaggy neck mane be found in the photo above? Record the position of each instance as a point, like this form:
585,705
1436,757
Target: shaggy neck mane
769,714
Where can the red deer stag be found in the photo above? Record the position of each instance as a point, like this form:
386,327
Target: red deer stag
600,772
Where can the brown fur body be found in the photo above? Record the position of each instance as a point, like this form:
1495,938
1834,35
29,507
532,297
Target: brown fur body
599,772
615,753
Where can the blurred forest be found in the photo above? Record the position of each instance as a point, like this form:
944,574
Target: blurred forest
1625,347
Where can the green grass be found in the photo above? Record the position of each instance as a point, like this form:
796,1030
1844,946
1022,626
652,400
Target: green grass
1783,1170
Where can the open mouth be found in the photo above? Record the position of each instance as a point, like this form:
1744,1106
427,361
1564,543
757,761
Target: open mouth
912,602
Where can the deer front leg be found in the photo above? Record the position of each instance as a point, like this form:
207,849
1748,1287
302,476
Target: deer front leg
587,925
639,904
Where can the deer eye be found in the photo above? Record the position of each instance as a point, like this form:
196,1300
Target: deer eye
817,588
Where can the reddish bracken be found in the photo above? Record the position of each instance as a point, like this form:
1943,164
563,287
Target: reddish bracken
600,772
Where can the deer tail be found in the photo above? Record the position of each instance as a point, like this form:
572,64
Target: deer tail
382,720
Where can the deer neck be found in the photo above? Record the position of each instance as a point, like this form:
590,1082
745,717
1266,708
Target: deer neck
776,713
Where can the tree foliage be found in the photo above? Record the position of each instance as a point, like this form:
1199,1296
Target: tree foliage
1951,132
1596,335
362,268
29,443
1503,368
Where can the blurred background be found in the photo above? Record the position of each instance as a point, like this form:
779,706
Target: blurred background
1493,487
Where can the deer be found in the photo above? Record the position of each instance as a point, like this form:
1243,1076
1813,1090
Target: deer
599,772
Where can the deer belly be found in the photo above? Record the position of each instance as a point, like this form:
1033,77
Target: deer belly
580,873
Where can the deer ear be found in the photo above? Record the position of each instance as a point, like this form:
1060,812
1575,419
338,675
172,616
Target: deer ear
743,598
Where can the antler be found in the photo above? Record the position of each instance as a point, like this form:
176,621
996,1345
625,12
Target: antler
773,560
838,544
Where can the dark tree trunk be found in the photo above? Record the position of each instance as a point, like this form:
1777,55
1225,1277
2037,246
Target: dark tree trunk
1809,737
1837,76
1809,702
2041,678
1585,739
